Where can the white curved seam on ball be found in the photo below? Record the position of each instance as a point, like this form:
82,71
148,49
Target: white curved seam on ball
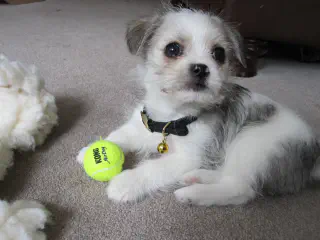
105,169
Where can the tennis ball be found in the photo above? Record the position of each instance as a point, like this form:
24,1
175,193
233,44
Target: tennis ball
103,160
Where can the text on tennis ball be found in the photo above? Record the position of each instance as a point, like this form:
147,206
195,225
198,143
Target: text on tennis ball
97,155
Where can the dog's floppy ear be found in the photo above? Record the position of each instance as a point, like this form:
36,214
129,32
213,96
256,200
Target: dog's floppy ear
236,43
139,34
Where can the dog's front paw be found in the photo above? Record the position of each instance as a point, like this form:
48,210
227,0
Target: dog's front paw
184,195
126,187
191,195
81,154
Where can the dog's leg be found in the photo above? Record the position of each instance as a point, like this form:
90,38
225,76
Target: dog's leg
237,176
201,176
128,137
150,176
244,165
80,156
124,137
238,173
228,190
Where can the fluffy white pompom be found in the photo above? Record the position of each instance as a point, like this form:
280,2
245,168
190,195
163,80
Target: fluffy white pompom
28,111
27,115
22,220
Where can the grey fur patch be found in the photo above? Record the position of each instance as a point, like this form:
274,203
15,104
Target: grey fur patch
289,172
261,112
232,108
233,113
229,117
139,34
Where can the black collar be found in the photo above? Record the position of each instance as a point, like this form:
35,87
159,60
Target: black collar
176,127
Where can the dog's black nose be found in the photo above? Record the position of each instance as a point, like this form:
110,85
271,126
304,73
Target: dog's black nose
199,71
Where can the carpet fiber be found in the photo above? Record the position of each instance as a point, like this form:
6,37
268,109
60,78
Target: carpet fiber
79,48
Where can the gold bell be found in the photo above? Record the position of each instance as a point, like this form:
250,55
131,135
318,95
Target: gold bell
163,147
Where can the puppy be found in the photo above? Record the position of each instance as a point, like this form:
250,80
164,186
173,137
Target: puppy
225,143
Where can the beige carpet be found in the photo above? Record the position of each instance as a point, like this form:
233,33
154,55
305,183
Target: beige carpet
79,47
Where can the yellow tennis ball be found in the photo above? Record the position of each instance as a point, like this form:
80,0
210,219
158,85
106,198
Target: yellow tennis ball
103,160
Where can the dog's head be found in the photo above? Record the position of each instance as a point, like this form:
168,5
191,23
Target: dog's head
186,53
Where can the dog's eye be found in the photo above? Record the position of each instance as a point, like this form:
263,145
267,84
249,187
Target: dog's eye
173,50
218,54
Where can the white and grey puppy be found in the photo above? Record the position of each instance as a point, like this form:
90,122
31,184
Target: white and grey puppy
241,143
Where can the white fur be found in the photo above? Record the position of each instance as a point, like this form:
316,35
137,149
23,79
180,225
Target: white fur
199,35
246,159
167,98
22,220
27,112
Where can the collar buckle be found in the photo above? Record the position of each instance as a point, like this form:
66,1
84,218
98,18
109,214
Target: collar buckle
145,120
